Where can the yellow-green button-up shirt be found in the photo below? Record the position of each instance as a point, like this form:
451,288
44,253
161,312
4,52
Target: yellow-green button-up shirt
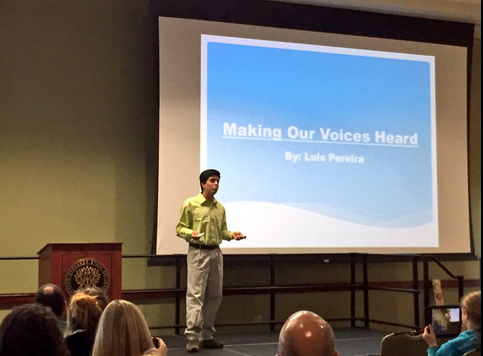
198,214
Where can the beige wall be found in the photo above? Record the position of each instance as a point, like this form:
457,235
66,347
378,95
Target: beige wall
78,115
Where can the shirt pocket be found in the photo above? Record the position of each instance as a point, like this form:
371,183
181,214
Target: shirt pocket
201,223
216,221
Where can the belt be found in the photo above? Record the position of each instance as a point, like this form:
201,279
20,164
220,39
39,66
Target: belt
204,247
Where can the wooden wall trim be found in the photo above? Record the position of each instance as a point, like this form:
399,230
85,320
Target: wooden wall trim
10,300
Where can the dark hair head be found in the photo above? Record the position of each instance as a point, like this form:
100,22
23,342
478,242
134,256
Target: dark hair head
50,295
205,175
31,329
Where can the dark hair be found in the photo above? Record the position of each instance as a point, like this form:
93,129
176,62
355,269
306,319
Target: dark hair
205,175
50,295
31,329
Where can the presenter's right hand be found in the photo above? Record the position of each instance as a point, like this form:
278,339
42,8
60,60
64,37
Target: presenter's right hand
237,235
194,235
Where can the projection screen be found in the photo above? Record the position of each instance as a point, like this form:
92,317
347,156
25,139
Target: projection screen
326,143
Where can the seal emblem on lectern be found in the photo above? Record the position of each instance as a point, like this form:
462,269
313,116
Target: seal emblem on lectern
85,273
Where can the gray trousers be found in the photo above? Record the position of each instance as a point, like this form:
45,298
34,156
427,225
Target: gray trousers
204,292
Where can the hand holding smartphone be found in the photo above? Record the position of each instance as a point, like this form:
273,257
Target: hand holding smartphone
155,342
160,346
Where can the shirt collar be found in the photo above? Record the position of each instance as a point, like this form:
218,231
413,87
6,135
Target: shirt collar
201,198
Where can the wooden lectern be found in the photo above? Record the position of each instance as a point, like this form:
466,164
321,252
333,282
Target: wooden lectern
78,265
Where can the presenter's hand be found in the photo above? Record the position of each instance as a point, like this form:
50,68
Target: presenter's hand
237,235
429,336
195,236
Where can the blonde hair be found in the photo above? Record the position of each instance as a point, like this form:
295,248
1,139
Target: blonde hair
471,303
122,331
102,298
83,313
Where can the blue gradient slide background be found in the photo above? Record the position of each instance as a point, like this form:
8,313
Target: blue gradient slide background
280,88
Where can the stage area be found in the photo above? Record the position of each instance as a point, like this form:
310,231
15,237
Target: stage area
350,342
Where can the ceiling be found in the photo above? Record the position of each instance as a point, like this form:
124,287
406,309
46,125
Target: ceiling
452,10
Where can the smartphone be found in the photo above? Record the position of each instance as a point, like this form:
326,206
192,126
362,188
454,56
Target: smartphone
155,342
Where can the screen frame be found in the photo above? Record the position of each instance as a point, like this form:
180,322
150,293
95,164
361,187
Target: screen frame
446,306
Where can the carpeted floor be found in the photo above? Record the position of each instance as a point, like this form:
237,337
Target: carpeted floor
349,342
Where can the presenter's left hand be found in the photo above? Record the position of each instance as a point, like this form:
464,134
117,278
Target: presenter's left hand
237,235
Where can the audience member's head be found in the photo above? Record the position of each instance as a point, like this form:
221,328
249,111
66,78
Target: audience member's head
471,308
50,295
122,331
306,334
31,329
102,298
83,313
